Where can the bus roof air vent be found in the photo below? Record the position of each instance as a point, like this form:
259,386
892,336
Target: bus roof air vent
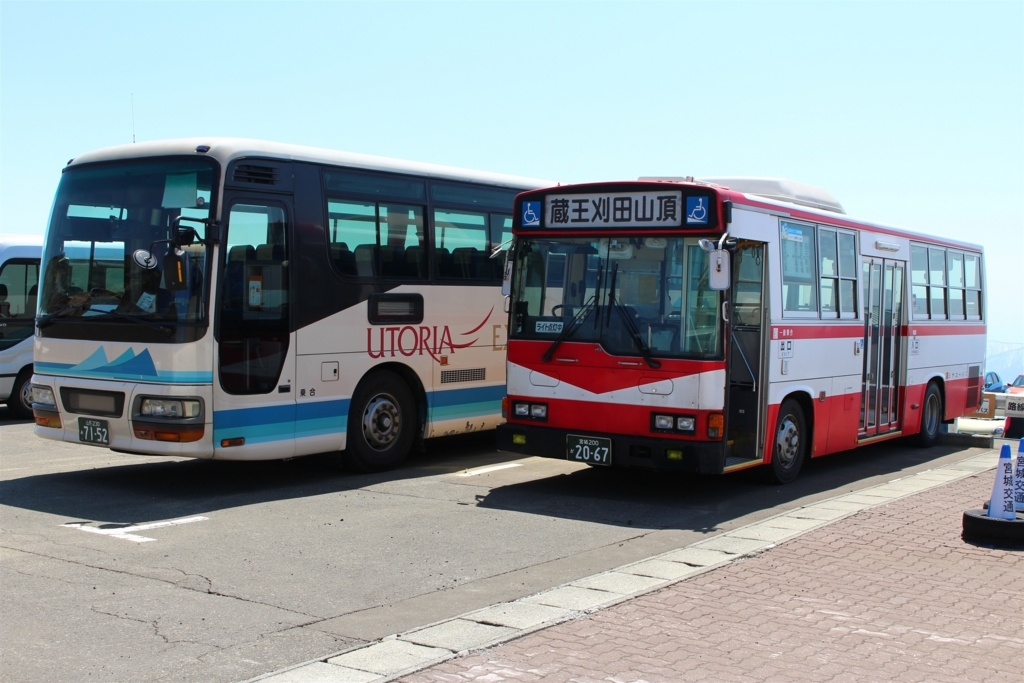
251,173
781,190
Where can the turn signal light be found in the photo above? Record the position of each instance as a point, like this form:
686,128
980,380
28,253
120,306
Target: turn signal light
170,432
504,408
716,425
47,421
237,441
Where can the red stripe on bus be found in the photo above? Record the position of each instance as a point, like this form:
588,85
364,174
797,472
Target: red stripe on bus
817,331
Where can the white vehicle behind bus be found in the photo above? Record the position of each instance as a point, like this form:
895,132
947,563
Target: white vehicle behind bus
246,300
19,281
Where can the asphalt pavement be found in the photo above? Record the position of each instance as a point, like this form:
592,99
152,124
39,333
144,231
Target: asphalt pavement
249,569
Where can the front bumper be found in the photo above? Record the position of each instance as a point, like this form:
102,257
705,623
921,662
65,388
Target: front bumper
704,457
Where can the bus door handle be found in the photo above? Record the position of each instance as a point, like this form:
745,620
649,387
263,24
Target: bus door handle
725,311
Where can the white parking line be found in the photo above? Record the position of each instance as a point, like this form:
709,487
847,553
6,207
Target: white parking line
486,470
125,532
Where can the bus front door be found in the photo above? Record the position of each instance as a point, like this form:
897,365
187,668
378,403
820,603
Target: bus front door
882,372
254,394
745,345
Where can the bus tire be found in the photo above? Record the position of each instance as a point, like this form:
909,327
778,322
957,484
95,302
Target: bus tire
931,417
789,449
20,401
381,423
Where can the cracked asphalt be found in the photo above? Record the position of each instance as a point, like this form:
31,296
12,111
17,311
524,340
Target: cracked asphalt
297,560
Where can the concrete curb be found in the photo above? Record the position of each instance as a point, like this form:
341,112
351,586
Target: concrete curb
404,653
966,440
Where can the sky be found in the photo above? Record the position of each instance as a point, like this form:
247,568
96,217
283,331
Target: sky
910,114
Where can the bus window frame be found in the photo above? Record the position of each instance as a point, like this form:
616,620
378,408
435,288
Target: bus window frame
430,206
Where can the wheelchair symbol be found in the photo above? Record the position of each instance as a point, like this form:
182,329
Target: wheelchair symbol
699,214
530,216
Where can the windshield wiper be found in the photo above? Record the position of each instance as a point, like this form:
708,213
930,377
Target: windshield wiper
135,319
571,327
627,322
59,313
634,333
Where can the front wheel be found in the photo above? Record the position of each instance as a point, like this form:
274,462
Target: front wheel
381,423
20,400
790,446
931,416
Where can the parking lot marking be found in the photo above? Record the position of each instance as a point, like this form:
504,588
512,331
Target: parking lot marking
486,470
125,532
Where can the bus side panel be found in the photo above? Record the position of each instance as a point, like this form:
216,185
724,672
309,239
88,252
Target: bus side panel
844,414
946,353
468,360
457,353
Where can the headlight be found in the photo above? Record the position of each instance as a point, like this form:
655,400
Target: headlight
43,395
684,424
522,410
539,411
663,421
169,407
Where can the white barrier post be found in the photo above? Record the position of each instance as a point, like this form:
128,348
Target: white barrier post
1018,480
1000,505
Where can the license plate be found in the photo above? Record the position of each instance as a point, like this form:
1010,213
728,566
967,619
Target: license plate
593,450
93,431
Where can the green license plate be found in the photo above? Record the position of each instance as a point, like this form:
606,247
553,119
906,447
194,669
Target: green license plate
593,450
93,431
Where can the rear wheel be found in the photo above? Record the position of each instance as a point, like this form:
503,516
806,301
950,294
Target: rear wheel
790,446
381,423
931,416
20,400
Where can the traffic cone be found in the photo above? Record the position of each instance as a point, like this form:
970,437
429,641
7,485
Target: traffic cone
1001,504
1018,480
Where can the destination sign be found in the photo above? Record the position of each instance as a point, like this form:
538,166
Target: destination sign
648,209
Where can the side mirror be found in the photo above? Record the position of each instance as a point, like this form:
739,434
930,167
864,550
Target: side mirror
506,278
175,271
720,276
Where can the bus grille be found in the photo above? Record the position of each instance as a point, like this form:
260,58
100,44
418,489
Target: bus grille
261,175
473,375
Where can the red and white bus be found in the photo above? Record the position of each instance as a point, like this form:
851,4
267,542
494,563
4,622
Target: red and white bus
719,324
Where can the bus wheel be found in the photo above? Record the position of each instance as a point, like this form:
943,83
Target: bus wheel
931,416
20,401
790,446
381,424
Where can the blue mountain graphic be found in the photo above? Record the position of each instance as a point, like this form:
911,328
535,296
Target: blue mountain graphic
141,365
96,360
123,358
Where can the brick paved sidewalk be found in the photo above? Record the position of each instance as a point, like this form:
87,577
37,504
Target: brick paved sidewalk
889,594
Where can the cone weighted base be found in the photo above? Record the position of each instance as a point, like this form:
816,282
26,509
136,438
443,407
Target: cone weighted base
1001,533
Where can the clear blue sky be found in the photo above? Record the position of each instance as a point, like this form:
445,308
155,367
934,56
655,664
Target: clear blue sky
909,113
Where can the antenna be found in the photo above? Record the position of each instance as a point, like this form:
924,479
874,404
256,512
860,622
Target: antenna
133,118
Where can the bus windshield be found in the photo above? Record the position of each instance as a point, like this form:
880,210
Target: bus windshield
634,296
107,242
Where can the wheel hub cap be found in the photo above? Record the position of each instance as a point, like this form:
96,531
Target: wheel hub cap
382,421
787,442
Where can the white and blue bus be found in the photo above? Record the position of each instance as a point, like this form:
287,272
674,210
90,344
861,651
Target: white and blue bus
245,300
19,282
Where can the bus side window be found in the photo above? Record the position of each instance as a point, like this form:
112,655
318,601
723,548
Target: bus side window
460,244
352,232
799,284
17,278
